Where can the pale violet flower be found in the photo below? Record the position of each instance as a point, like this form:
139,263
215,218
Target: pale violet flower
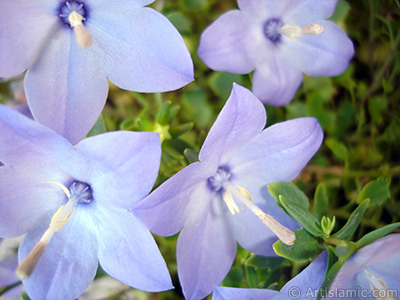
370,273
70,48
280,40
303,286
222,199
74,204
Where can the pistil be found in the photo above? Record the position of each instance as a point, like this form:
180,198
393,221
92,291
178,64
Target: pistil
283,233
295,31
82,36
80,193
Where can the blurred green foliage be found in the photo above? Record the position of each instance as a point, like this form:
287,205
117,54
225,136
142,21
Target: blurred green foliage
359,112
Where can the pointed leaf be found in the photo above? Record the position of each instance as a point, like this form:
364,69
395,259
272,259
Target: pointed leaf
377,191
376,234
352,223
291,192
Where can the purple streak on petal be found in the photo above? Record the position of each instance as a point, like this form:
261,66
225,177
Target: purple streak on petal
24,29
66,88
276,80
139,49
128,252
205,251
134,169
242,118
225,293
306,12
168,207
327,54
70,261
280,152
223,45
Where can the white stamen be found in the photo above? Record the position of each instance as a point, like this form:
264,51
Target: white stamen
82,36
227,196
378,284
26,268
295,31
283,233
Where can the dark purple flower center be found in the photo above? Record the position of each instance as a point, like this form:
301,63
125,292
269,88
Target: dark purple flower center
82,191
217,181
69,6
271,28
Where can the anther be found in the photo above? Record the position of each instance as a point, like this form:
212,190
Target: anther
82,36
295,31
283,233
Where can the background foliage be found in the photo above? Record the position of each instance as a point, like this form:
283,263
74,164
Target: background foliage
359,112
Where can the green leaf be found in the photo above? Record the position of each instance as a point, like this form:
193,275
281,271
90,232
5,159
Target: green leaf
303,216
304,248
252,276
234,277
329,277
377,191
177,131
191,155
98,128
320,201
145,125
163,115
259,261
221,83
376,234
338,148
352,223
342,9
291,192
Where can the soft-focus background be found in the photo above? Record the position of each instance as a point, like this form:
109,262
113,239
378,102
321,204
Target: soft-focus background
359,112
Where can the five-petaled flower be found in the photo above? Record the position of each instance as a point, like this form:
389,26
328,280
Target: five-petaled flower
74,204
222,198
370,273
280,40
71,47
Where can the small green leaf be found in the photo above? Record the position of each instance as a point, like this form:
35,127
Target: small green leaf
377,191
291,192
352,223
177,131
191,155
320,201
338,148
98,128
252,276
376,234
259,261
221,83
145,125
327,225
163,115
342,9
303,216
304,248
234,277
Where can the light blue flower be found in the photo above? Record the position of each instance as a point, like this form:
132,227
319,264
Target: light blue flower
223,198
280,40
74,204
70,48
370,273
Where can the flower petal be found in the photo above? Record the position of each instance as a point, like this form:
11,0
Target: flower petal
242,117
310,278
24,28
279,153
249,231
225,293
139,49
132,172
276,80
223,44
327,54
168,207
305,12
122,238
261,10
70,261
205,252
66,88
